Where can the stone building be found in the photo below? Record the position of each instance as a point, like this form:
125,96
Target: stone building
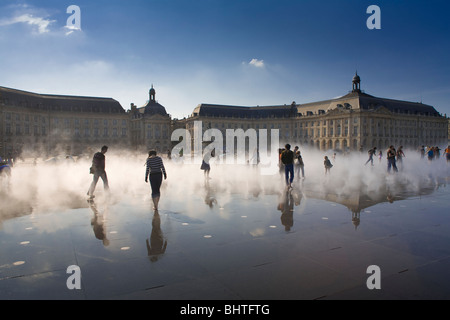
43,125
46,125
150,126
355,121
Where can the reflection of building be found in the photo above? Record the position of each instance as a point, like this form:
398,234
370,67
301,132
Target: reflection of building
359,198
45,123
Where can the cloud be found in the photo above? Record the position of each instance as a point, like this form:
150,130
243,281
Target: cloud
42,24
71,29
257,63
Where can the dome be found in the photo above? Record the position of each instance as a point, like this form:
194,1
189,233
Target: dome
153,108
356,78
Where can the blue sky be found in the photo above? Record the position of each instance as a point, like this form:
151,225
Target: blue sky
233,52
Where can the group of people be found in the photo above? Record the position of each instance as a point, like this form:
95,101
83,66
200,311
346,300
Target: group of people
5,168
290,163
434,152
154,173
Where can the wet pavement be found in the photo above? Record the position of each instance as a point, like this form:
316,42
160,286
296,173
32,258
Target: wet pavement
210,243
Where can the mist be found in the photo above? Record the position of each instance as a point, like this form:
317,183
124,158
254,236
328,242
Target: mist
39,186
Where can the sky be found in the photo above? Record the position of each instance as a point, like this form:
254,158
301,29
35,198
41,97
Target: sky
234,52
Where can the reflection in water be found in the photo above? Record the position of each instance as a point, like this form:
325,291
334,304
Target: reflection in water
97,223
286,205
362,196
157,245
210,197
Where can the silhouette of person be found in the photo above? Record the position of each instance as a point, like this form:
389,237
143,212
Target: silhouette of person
287,158
371,154
155,170
286,206
97,224
157,245
210,198
391,154
98,170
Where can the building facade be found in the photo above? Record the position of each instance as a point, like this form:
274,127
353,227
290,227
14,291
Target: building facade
150,126
355,121
45,125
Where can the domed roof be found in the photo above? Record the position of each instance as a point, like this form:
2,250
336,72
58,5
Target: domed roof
356,78
154,107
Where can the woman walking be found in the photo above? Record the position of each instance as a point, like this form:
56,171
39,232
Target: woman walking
156,171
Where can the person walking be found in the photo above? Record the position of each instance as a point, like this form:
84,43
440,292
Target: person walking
371,153
206,167
391,153
155,170
400,156
298,163
327,164
98,170
287,158
447,154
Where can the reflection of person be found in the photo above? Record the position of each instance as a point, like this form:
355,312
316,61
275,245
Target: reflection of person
210,199
297,196
286,206
97,224
157,244
155,169
98,170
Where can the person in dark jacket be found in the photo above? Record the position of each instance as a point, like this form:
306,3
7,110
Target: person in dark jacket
287,158
98,170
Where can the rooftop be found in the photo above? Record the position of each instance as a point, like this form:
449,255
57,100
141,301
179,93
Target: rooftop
48,102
